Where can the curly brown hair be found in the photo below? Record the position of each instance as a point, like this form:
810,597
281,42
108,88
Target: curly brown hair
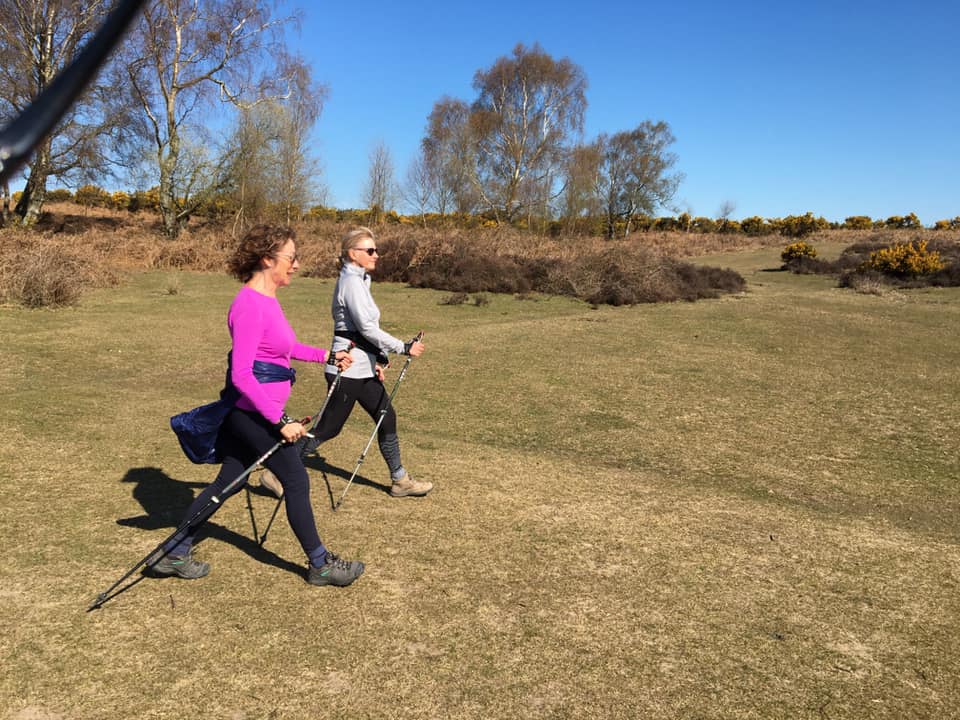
260,241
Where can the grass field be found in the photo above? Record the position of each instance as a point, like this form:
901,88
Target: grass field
741,508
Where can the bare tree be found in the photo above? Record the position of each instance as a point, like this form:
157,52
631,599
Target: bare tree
724,212
182,58
380,190
634,173
448,150
37,39
419,189
528,109
298,178
579,201
249,191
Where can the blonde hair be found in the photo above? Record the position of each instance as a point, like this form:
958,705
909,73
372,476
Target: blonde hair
352,239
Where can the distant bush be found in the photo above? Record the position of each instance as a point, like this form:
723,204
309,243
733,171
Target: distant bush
93,196
59,195
703,225
905,260
38,275
624,275
908,222
144,200
756,225
917,263
457,298
397,259
912,264
464,270
858,222
798,250
800,225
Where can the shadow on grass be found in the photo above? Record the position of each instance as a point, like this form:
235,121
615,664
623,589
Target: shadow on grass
319,463
165,501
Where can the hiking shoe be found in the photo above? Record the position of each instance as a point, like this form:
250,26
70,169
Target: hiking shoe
270,481
335,571
308,445
408,487
184,566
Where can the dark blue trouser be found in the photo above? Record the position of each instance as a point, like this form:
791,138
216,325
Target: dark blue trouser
372,397
244,437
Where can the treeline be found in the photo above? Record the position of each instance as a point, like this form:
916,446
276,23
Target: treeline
221,207
513,155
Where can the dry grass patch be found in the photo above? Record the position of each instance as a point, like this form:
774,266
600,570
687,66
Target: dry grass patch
714,510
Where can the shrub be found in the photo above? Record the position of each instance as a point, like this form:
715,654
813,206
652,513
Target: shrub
858,222
755,225
905,260
632,275
703,225
45,276
92,196
798,250
144,200
59,195
120,200
397,260
909,222
457,298
800,225
464,270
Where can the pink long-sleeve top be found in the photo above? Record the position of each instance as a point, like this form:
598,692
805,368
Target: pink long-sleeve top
260,331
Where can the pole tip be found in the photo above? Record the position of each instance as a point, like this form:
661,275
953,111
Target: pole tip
95,605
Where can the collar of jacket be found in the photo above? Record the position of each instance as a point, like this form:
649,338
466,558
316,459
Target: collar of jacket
355,270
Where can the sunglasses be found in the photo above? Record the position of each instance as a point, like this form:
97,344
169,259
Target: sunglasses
368,251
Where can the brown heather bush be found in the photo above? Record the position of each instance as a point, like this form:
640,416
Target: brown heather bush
621,275
37,274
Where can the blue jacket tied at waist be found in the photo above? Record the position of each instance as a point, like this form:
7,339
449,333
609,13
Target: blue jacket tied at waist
197,429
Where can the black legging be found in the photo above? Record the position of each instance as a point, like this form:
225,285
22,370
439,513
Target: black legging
372,396
245,436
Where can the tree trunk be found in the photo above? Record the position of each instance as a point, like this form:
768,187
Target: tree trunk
30,206
4,203
611,225
168,199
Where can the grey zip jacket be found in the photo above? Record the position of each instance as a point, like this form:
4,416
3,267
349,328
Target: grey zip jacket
355,311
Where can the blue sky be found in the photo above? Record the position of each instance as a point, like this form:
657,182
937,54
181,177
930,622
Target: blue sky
837,108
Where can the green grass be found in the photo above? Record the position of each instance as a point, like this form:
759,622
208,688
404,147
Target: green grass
741,508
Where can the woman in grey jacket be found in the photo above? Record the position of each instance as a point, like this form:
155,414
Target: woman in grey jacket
356,319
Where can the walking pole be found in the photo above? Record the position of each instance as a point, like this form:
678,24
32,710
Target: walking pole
316,421
158,552
383,414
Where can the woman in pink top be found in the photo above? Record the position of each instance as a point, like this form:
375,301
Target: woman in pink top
264,262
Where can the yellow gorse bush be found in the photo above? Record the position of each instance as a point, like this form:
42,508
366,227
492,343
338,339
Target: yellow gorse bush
797,250
905,259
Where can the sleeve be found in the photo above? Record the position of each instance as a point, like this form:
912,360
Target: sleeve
363,312
308,353
246,327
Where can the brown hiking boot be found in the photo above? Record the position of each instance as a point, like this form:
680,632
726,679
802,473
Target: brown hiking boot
270,482
408,487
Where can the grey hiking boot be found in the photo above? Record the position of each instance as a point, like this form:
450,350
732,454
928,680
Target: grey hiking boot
335,571
408,487
184,566
270,482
